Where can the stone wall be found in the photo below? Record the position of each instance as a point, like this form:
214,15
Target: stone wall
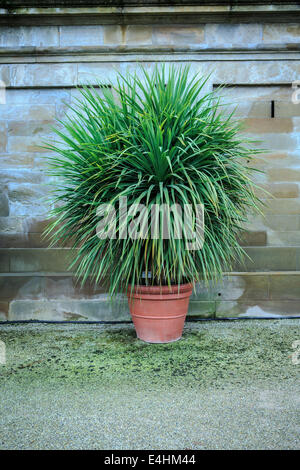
41,65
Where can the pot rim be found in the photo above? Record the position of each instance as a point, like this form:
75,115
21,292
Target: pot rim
160,290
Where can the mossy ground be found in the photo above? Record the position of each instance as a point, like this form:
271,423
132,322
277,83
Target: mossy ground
107,367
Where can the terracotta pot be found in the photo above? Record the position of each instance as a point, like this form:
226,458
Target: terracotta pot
158,312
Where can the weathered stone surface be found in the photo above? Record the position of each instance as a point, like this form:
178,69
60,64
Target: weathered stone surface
253,238
284,174
267,258
69,310
285,287
16,160
278,142
4,311
4,261
290,238
138,34
11,224
3,136
39,36
249,109
37,75
282,222
220,34
4,204
34,112
23,175
93,73
234,287
282,206
64,287
26,193
42,287
257,309
178,35
281,33
29,128
201,308
36,96
39,259
114,34
28,143
269,125
5,75
21,287
260,72
280,190
81,35
287,109
22,240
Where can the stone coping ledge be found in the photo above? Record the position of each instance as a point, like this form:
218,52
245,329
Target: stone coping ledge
257,48
179,14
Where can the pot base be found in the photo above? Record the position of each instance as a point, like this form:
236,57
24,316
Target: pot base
159,342
158,312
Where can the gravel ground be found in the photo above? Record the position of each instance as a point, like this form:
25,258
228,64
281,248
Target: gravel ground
225,385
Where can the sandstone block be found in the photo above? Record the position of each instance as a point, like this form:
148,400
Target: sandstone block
4,204
284,174
287,109
280,190
16,160
220,34
234,287
114,34
285,287
39,259
279,238
11,224
258,309
81,35
21,36
269,125
4,311
253,238
267,258
282,206
273,33
32,112
68,310
203,309
43,74
3,136
282,222
178,35
138,34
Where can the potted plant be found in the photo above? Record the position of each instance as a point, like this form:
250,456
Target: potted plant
131,160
